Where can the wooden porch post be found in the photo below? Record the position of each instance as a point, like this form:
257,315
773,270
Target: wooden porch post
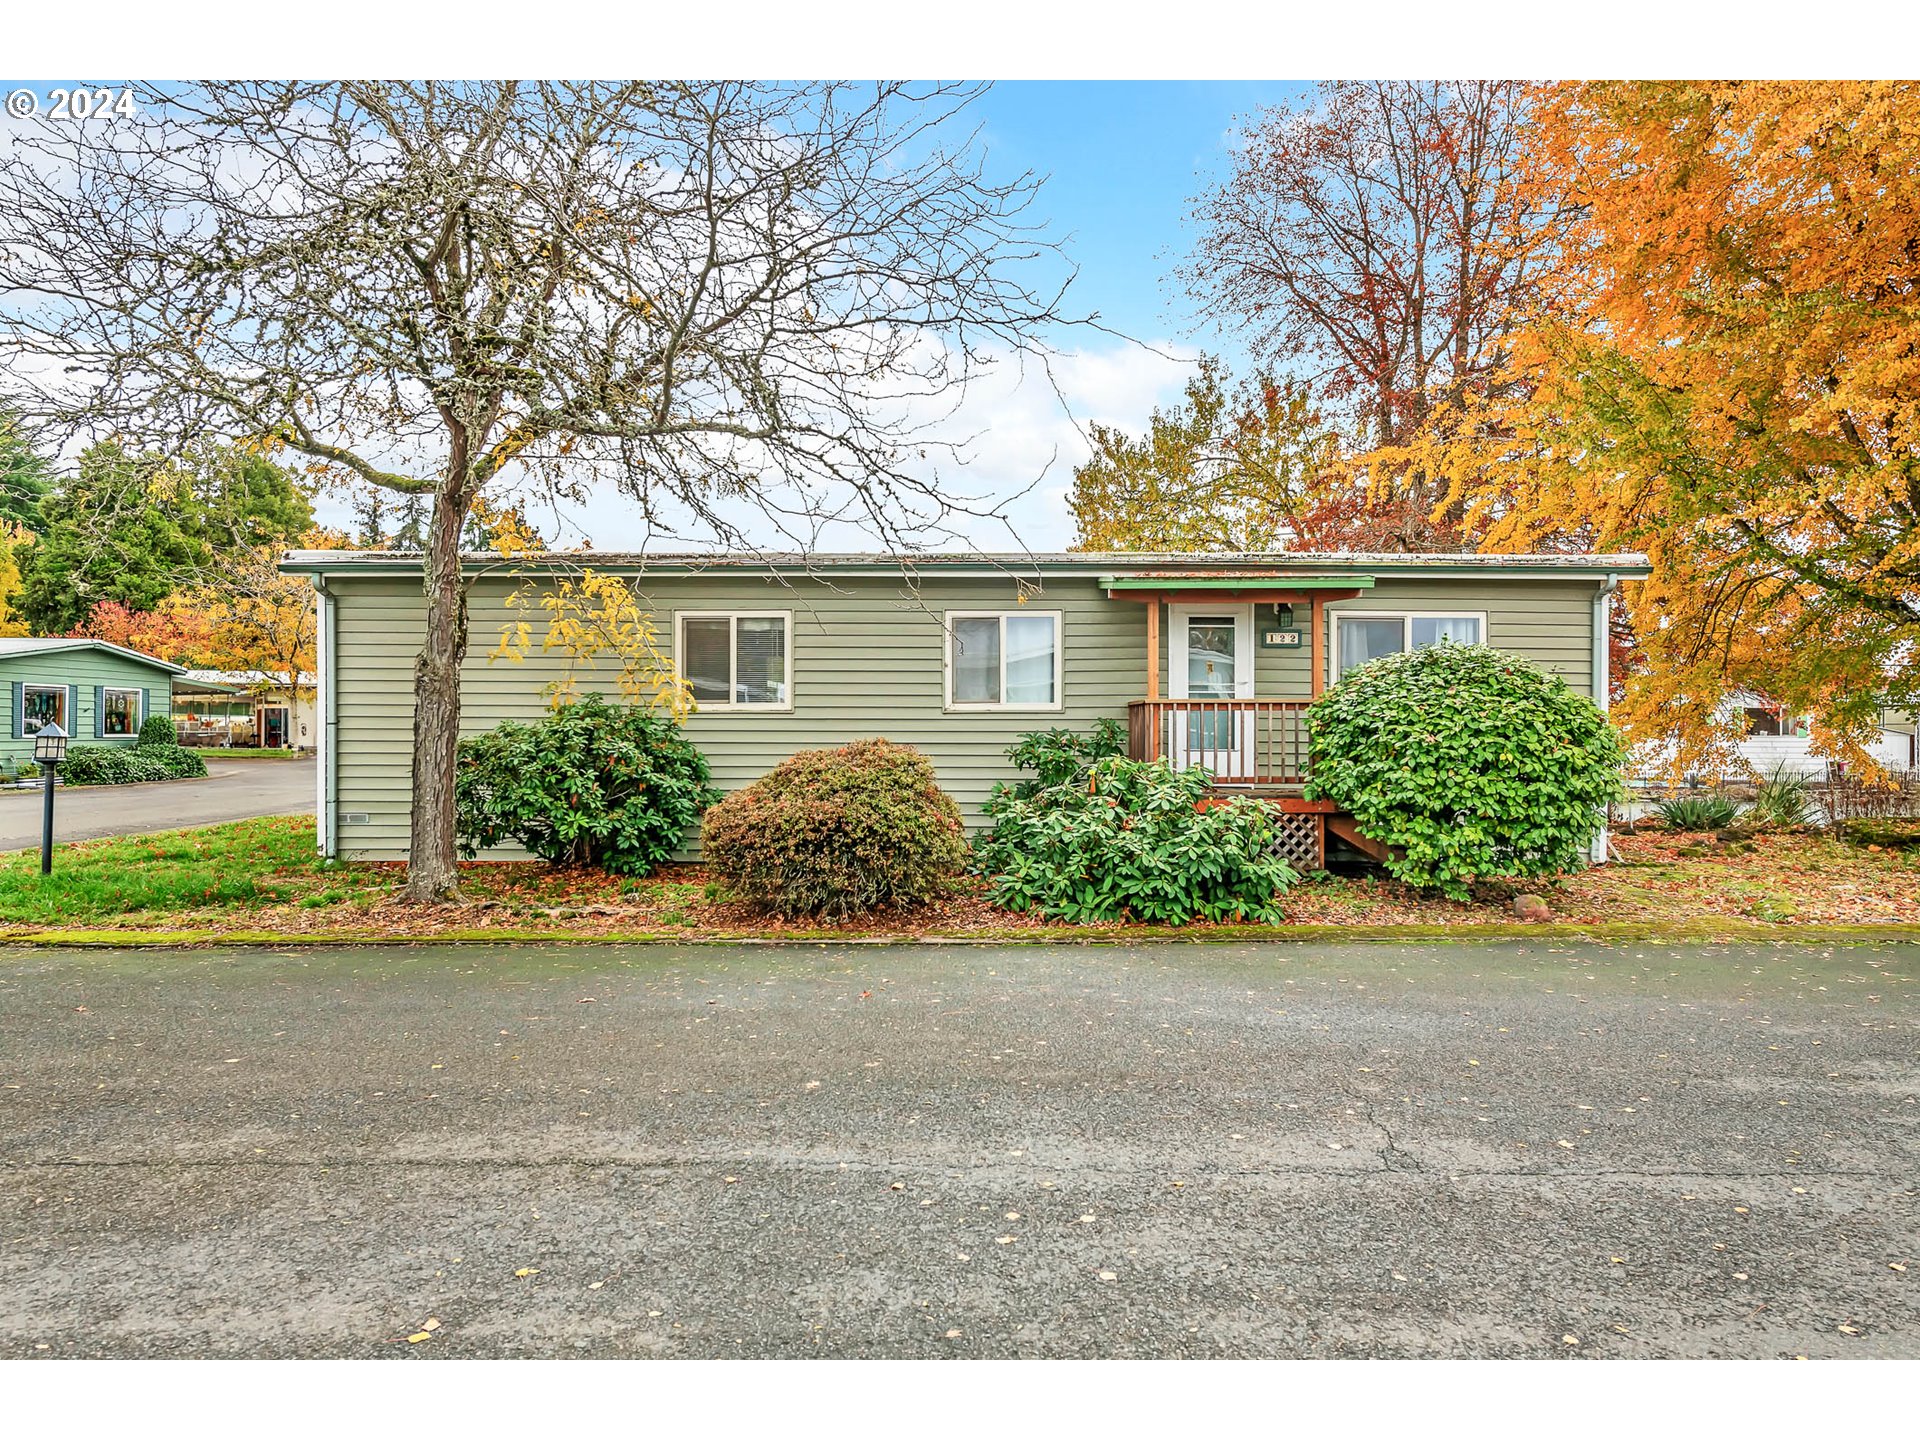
1319,646
1153,648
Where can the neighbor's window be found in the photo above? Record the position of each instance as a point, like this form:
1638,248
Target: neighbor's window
737,660
1360,638
121,713
1004,660
41,703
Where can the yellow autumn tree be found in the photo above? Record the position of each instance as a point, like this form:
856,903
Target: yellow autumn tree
13,539
504,529
1225,470
1724,372
588,620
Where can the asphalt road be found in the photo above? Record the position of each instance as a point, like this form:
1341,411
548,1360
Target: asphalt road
942,1151
233,790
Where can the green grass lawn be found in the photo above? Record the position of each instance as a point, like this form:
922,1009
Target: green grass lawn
248,862
215,752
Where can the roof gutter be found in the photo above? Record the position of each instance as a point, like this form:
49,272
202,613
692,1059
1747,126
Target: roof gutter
1151,575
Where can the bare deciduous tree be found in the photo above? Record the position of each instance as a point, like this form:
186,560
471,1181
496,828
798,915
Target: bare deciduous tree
730,300
1377,245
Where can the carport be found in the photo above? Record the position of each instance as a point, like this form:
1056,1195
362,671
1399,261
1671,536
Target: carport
212,714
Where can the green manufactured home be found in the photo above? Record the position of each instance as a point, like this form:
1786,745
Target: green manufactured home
99,693
1207,659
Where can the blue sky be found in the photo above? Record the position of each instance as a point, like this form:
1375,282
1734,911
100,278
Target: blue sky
1122,160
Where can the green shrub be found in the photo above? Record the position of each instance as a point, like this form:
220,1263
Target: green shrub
1130,841
591,784
157,730
1467,762
1697,813
129,764
1059,756
835,833
1781,801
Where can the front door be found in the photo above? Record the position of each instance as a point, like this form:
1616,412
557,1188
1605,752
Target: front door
1210,655
273,727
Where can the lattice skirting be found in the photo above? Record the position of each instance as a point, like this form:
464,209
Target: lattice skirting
1302,840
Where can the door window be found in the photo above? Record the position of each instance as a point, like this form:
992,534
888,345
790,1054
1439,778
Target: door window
1210,657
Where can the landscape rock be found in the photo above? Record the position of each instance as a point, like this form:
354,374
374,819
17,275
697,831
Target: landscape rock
1531,907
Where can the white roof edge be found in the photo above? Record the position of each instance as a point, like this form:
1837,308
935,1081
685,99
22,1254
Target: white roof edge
51,644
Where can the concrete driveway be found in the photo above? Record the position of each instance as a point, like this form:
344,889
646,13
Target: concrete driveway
233,790
1476,1150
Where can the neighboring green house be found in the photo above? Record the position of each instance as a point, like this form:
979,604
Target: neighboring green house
98,692
1208,659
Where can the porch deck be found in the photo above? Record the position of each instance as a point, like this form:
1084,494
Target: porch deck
1257,747
1259,743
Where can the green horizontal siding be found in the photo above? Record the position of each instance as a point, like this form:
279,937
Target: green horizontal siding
84,670
867,660
1550,621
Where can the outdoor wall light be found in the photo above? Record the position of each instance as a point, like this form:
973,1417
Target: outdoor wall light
1283,616
50,745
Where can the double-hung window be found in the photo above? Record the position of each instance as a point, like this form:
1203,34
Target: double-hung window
120,712
737,660
1003,659
1360,636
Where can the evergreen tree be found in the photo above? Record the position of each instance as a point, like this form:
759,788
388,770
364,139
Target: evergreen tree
370,515
136,528
25,477
411,532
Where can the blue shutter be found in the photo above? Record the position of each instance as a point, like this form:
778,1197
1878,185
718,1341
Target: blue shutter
99,712
19,709
146,707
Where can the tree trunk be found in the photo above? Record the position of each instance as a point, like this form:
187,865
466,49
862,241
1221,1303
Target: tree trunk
432,875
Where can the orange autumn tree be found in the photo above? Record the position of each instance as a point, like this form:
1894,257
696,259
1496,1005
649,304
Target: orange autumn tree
261,620
175,631
1725,372
1375,244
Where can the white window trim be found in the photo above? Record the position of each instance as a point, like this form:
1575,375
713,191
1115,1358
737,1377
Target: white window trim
69,702
969,707
724,707
139,710
1406,619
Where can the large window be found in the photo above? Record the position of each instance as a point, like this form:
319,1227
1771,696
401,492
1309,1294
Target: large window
1003,660
1368,635
42,703
737,660
120,712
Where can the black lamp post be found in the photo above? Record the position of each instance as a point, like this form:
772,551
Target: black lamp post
49,748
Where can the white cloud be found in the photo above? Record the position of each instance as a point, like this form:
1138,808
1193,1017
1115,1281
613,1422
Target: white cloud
1020,435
